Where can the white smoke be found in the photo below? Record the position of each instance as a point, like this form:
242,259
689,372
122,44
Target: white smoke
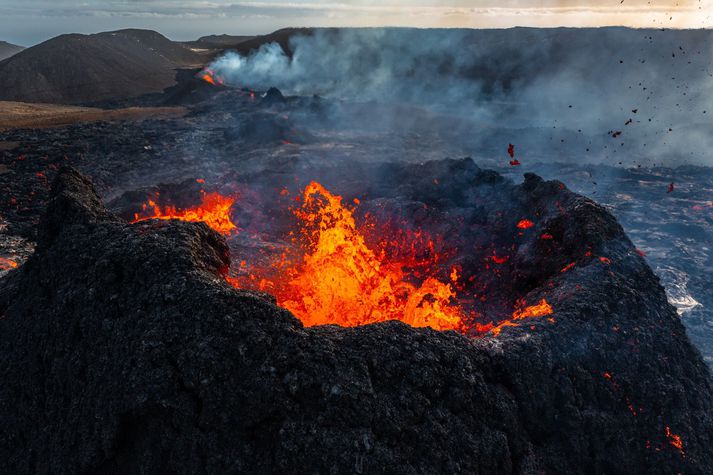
563,89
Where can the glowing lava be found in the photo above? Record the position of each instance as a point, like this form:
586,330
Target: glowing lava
214,210
675,440
7,264
521,312
210,77
525,224
338,279
538,310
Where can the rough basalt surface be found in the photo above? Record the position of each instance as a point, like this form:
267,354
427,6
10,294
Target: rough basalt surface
123,350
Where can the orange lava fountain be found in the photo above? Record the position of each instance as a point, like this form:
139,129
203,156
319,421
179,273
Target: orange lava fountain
214,210
332,276
340,280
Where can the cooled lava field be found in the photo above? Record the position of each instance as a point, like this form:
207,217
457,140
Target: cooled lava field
254,287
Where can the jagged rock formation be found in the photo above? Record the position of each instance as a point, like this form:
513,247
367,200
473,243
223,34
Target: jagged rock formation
123,350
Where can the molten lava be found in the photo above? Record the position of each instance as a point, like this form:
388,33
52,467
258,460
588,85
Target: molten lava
674,440
525,224
210,77
521,312
214,210
539,310
335,277
7,264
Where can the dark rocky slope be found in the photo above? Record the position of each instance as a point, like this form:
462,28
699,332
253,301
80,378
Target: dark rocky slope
76,68
8,49
218,42
122,350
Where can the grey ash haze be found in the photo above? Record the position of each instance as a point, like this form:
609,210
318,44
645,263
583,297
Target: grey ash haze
615,95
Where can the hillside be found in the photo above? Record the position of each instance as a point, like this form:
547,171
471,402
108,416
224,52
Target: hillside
223,40
213,46
8,49
74,68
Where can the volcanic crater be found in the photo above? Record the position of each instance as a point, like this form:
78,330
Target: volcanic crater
151,361
441,244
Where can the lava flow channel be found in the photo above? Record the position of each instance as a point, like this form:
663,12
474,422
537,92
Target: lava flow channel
335,277
214,210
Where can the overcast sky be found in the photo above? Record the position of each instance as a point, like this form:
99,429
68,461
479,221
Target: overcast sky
28,22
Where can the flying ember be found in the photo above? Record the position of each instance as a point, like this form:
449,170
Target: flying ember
214,210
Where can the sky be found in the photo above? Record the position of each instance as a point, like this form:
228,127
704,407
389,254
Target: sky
28,22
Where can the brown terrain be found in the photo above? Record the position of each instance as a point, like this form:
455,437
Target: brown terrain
21,115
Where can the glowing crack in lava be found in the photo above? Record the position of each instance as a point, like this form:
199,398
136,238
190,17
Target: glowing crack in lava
339,279
541,309
214,210
7,264
675,440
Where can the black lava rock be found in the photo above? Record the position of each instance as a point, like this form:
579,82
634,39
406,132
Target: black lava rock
272,96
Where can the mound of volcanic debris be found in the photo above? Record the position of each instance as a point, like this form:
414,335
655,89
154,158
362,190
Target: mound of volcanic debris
124,350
